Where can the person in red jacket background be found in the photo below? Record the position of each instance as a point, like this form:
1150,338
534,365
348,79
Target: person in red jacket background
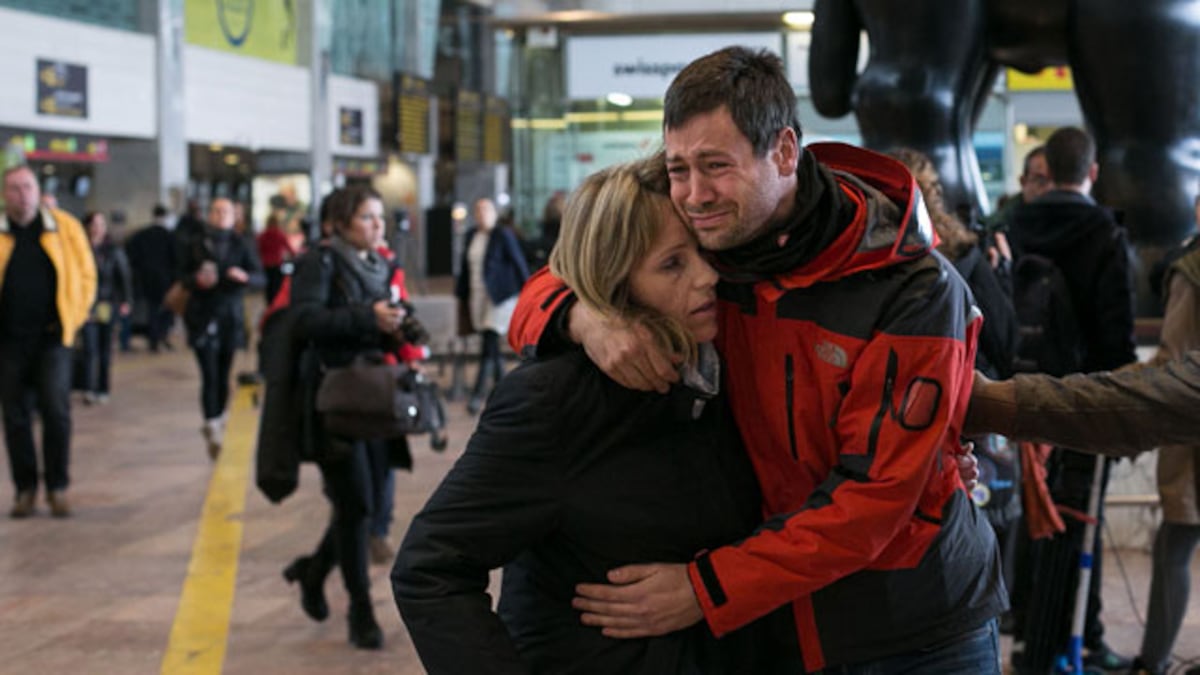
849,346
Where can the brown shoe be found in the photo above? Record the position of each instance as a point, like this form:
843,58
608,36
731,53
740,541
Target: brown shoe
381,551
23,506
59,507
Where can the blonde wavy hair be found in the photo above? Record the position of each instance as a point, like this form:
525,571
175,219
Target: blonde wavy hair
610,223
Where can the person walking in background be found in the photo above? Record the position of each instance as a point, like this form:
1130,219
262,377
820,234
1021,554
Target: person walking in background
217,266
47,285
152,257
339,294
114,293
274,249
492,272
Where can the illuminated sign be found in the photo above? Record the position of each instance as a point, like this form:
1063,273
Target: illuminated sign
468,126
412,114
495,130
52,147
62,89
1050,79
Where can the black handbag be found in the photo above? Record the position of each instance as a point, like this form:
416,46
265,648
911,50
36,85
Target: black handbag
369,400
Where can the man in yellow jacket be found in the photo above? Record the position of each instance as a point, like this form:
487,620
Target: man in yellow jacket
47,286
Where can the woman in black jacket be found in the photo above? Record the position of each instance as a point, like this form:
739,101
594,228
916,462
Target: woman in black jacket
340,297
490,276
217,267
569,475
114,293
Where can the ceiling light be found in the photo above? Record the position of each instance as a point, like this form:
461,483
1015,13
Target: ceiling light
619,99
798,20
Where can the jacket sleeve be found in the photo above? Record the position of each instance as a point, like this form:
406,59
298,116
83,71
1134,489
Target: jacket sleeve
539,321
500,498
315,319
512,246
124,272
1117,413
76,239
903,410
1112,306
247,259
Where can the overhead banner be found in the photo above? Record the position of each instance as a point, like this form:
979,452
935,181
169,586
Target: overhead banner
1050,79
643,66
263,29
62,89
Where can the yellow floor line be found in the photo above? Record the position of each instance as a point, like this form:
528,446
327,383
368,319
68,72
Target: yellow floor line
201,629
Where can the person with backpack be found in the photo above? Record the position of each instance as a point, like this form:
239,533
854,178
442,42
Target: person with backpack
1073,293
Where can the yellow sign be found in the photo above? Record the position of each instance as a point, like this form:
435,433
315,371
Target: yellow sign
264,29
1057,78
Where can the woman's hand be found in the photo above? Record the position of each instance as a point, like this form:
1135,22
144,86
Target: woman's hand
387,318
237,275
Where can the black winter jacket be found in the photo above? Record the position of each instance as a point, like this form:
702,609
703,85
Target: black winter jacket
218,310
1092,250
114,282
568,476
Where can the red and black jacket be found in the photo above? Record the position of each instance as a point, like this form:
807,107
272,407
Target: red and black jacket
849,378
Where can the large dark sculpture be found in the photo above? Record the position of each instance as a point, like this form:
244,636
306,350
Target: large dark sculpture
1137,76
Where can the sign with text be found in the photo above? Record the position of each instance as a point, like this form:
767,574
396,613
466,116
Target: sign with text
468,126
643,66
495,130
350,126
1056,78
55,147
412,114
62,89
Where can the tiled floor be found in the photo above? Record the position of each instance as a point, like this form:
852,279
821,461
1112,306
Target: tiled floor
97,593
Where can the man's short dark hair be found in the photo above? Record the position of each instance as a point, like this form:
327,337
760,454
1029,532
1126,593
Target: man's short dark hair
1070,153
1033,154
751,84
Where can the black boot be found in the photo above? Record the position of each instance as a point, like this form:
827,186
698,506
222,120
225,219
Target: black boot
312,587
364,632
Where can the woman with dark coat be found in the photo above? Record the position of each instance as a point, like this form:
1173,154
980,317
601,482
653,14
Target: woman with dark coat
217,266
114,293
569,474
492,272
340,296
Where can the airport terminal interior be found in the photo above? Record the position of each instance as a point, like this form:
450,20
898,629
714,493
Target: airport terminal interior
164,555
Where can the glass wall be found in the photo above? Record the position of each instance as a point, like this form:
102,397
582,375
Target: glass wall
557,141
121,14
376,38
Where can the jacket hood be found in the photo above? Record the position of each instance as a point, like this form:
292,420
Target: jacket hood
1058,222
877,220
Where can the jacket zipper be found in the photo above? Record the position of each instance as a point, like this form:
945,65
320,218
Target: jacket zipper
885,403
790,396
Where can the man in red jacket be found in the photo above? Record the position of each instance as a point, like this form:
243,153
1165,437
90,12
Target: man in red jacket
848,345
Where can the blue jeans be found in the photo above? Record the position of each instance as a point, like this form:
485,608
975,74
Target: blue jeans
975,652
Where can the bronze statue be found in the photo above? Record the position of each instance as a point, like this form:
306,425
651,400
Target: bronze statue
1136,67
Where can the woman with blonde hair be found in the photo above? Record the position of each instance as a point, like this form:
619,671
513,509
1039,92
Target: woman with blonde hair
570,475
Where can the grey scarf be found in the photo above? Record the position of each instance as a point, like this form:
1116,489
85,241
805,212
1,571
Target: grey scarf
370,269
